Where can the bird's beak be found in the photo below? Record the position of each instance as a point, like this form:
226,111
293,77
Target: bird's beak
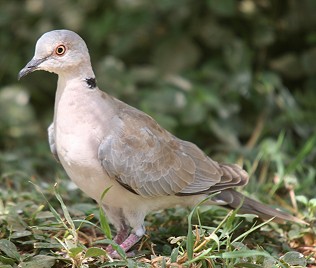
30,67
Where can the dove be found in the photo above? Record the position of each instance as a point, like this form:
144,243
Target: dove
103,143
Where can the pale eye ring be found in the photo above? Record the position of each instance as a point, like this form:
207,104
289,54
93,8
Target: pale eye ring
60,50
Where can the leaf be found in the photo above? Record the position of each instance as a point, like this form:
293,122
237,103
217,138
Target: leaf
41,261
302,154
5,266
190,242
6,260
294,258
302,199
312,203
73,252
243,235
247,265
21,234
65,211
174,255
215,238
95,252
104,192
44,215
105,226
115,246
9,249
244,254
52,209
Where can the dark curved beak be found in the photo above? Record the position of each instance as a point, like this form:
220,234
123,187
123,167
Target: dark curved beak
30,67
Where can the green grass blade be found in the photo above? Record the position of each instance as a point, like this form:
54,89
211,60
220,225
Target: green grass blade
65,210
51,208
105,226
302,154
115,246
190,239
251,230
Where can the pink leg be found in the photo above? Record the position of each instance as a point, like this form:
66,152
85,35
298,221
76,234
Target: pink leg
130,241
119,238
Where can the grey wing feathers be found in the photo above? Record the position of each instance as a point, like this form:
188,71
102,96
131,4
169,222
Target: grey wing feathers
150,161
51,141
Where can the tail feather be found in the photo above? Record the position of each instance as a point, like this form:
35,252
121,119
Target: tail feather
234,199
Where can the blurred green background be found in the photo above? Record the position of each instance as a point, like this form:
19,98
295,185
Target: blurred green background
237,78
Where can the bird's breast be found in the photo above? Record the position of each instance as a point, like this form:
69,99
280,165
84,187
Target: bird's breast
80,125
79,129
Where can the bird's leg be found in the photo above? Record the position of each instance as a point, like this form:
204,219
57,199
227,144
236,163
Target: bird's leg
120,237
130,241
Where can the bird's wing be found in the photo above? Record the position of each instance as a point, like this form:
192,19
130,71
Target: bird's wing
51,141
149,161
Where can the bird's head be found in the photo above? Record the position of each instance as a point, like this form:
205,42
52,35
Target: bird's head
58,51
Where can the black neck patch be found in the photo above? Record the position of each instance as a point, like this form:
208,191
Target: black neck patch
91,82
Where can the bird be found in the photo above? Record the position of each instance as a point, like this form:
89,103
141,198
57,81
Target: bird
104,143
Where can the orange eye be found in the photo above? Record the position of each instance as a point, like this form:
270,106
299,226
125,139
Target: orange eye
60,50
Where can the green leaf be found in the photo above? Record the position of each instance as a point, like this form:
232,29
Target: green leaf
294,258
302,154
302,199
65,211
174,255
6,260
243,235
41,261
73,252
312,202
5,266
247,265
215,238
20,234
190,239
9,249
95,252
115,246
52,209
105,226
104,192
244,254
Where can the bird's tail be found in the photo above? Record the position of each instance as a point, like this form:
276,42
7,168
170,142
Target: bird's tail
234,200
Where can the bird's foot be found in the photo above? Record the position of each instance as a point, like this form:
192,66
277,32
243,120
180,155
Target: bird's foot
130,241
120,237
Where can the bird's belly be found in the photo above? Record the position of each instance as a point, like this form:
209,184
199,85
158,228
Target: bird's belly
78,155
92,181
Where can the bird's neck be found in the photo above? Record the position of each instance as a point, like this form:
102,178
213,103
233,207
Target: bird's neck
82,71
82,78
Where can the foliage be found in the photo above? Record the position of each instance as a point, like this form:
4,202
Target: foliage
235,77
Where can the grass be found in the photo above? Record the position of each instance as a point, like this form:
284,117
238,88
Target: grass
45,233
47,224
